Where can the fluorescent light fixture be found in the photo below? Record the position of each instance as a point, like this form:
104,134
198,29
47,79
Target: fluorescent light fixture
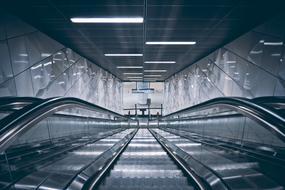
123,54
171,43
161,62
151,79
273,43
158,71
152,75
134,77
108,20
132,73
129,67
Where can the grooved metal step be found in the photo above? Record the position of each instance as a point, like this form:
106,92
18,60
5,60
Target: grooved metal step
145,165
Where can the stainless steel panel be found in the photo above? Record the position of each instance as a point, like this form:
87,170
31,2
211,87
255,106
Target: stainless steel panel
145,165
237,171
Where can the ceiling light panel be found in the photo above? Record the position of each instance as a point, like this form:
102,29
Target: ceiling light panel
108,20
134,77
151,79
123,54
155,71
161,62
171,43
129,67
133,73
152,75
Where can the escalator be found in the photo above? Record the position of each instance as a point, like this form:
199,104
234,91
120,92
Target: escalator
236,170
145,165
67,143
60,172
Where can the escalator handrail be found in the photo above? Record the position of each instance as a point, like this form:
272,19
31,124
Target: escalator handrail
270,99
232,147
268,117
273,101
13,103
21,120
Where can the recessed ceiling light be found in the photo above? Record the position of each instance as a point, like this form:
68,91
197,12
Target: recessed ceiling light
108,20
123,54
171,43
161,62
132,73
158,71
151,79
134,77
152,75
129,67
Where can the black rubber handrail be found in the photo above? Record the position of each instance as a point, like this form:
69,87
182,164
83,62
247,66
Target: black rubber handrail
267,117
270,99
11,103
22,120
273,101
258,153
93,182
199,182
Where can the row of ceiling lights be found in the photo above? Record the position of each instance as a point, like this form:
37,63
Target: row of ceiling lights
134,20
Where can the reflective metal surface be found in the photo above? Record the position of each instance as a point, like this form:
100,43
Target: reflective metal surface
249,66
22,120
33,64
238,171
145,165
264,119
59,173
202,175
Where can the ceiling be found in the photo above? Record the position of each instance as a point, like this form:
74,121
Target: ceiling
210,23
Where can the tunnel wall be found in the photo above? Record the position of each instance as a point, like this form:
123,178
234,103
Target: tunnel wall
33,64
250,66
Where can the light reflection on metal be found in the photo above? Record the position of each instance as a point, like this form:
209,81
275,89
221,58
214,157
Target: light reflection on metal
188,144
143,145
36,67
87,153
234,166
